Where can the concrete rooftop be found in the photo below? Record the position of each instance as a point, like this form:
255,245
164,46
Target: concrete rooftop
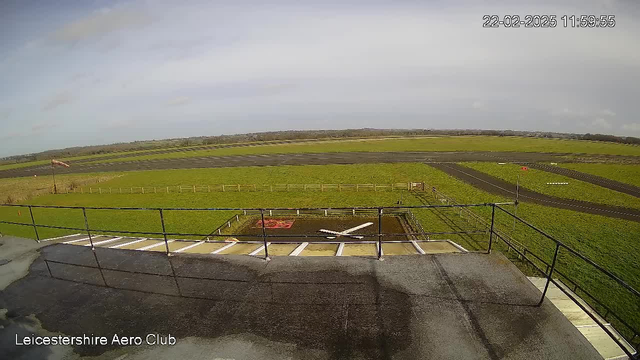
445,306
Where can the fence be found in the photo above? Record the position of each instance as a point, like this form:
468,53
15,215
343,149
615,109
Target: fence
173,189
630,332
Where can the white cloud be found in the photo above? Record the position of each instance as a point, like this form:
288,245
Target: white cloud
607,112
57,99
179,100
479,105
601,123
101,22
633,127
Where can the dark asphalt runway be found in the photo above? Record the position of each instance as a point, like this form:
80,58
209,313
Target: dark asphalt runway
283,159
500,187
596,180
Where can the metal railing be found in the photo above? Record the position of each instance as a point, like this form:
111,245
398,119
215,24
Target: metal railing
551,269
524,253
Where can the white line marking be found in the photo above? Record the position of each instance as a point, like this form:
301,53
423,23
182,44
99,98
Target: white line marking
154,245
299,249
129,243
254,252
458,246
74,241
340,248
381,250
59,237
189,246
105,241
415,245
223,248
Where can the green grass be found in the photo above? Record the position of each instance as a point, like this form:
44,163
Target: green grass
610,242
629,174
537,180
459,143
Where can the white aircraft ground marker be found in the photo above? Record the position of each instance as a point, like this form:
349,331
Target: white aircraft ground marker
254,252
154,245
189,246
75,241
128,243
346,232
105,241
415,244
299,249
223,248
59,237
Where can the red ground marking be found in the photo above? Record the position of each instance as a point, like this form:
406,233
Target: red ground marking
275,224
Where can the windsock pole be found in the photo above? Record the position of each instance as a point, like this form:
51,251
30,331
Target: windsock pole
53,172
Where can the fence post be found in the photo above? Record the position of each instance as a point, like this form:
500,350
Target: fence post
553,265
208,188
86,225
238,187
493,215
90,190
379,233
164,232
264,236
33,221
194,188
142,189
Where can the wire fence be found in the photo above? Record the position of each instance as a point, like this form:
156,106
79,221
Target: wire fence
178,189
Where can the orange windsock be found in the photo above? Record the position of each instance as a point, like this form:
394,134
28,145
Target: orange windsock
60,163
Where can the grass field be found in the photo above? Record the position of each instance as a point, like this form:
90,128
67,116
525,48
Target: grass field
19,189
460,143
610,242
537,180
629,174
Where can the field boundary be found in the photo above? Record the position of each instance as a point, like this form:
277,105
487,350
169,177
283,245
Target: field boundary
179,189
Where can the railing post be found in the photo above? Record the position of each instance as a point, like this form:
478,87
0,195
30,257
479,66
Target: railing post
493,216
553,265
264,236
33,222
164,231
379,233
86,224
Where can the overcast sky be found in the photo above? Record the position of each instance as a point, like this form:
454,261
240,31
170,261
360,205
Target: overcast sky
92,72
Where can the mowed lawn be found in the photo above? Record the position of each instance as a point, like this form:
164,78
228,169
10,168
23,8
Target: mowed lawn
610,242
449,143
629,174
537,180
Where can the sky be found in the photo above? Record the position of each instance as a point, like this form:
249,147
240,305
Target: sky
76,73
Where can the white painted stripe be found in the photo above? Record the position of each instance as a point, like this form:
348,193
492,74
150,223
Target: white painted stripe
223,248
154,245
415,245
129,243
590,326
254,252
458,246
340,248
299,249
381,250
74,241
59,237
105,241
189,246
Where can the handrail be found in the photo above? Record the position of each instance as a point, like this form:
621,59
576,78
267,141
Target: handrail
591,262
